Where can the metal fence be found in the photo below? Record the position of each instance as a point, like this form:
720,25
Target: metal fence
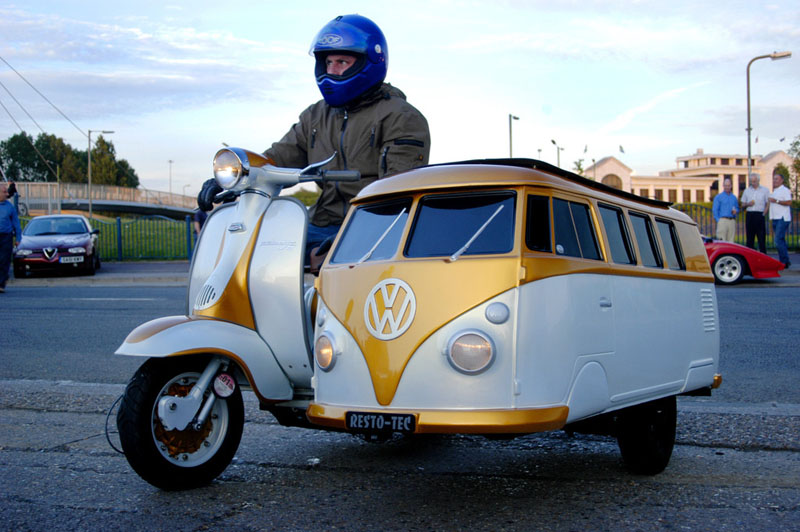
162,238
48,197
705,223
145,238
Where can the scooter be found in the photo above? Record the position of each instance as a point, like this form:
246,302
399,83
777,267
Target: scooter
247,326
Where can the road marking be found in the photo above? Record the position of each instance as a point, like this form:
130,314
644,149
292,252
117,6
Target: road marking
117,299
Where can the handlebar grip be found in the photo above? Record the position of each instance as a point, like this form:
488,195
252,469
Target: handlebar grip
341,175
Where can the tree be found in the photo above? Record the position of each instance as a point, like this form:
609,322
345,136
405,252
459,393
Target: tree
126,175
104,164
578,167
18,157
21,162
53,150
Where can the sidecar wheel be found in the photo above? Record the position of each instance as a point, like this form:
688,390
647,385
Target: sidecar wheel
176,460
646,435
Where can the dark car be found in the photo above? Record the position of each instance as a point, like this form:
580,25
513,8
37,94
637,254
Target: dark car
731,262
59,242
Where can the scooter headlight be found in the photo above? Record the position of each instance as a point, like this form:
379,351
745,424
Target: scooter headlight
470,352
230,166
325,352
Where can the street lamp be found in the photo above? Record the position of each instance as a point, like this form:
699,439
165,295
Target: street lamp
559,149
58,186
170,176
185,186
510,118
773,56
89,173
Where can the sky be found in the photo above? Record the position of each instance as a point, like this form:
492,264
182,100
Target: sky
175,80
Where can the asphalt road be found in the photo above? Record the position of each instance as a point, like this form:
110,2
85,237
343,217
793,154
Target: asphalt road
736,464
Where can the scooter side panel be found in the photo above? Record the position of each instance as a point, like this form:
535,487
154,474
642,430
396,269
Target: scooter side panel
276,287
208,250
182,335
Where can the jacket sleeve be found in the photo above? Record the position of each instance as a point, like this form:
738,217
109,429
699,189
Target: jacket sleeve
406,142
291,150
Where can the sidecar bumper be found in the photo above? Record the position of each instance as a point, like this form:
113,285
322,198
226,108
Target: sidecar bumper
512,421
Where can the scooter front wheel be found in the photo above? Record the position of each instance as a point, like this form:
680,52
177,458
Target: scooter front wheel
176,459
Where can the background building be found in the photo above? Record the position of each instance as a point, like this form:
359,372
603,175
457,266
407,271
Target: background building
697,178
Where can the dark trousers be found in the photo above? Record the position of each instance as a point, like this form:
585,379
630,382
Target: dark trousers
754,227
6,249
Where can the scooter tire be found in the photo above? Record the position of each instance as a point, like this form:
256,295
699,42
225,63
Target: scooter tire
176,460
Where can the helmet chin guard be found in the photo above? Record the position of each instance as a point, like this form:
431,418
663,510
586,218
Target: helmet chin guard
350,35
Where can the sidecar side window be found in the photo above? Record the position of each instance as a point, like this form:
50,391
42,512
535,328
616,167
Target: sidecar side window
367,227
446,223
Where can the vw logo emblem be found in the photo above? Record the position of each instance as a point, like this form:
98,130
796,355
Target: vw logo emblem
389,309
330,39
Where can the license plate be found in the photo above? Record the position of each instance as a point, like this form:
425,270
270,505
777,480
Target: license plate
380,422
70,259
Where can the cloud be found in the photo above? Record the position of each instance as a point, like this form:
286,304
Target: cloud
624,119
113,70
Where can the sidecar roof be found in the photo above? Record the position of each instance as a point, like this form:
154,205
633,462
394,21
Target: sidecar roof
488,173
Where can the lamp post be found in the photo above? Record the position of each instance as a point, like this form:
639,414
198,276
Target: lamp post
510,150
170,176
89,173
559,149
773,56
58,185
185,187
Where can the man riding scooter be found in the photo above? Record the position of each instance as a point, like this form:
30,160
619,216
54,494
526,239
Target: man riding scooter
366,122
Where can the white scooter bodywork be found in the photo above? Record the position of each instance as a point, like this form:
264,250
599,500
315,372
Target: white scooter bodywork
245,298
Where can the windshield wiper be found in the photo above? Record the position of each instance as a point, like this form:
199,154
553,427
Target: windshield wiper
454,256
378,243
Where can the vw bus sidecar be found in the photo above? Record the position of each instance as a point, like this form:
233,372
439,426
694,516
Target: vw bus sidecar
512,297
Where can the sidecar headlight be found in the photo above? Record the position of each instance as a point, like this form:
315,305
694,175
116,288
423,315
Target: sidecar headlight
470,352
325,352
230,167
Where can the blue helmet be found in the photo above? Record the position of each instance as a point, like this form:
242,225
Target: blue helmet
352,35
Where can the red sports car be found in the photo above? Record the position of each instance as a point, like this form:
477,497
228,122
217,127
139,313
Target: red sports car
730,262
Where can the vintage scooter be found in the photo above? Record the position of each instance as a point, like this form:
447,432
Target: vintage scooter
247,325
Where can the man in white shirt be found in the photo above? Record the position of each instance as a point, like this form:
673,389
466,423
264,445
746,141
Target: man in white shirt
755,200
780,212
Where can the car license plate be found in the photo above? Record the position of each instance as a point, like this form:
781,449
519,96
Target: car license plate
70,259
380,422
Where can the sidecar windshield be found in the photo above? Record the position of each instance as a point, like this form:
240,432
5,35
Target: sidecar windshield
447,223
380,224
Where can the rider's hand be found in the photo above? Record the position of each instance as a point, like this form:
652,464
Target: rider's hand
205,199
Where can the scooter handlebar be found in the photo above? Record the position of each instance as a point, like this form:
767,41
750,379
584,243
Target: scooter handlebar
341,175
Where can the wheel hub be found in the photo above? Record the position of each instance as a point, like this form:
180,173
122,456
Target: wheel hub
186,441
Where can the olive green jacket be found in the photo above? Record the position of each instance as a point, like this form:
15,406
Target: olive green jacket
379,135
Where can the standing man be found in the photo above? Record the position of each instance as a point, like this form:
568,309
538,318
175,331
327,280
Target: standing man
725,209
780,212
755,200
366,122
10,233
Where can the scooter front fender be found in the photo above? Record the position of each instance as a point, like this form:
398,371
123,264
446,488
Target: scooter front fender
184,335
